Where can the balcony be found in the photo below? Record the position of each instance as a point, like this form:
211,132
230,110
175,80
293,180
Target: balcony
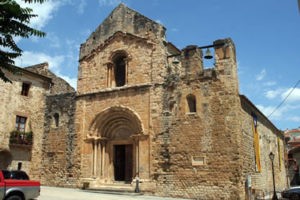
21,139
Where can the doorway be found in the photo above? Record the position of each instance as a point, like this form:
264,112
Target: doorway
123,165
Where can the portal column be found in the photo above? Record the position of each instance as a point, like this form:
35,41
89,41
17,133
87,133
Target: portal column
94,157
102,163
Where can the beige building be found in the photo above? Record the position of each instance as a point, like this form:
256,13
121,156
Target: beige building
22,120
25,107
148,111
144,112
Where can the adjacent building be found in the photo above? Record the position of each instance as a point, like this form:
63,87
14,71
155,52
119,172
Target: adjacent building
292,139
37,109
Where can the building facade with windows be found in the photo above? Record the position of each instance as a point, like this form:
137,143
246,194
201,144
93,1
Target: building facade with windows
292,139
22,119
36,109
149,112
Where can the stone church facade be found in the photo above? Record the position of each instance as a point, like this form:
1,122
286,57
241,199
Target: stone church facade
148,111
145,112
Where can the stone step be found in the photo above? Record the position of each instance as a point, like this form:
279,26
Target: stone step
113,188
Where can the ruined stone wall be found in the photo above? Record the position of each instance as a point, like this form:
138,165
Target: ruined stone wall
196,154
32,107
270,140
58,85
125,20
60,161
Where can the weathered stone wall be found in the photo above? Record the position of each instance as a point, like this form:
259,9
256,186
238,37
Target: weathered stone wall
60,161
125,20
270,140
32,107
189,159
199,154
58,86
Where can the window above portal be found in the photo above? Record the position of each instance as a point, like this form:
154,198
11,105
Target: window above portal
117,69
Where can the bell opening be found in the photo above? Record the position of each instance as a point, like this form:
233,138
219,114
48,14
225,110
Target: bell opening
208,54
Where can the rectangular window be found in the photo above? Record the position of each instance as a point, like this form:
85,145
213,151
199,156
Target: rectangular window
20,123
25,89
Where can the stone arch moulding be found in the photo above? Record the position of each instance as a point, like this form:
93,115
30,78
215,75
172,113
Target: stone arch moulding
116,123
119,52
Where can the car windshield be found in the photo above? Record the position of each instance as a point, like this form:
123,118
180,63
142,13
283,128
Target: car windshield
20,175
15,174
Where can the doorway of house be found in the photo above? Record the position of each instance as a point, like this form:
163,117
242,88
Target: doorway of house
123,165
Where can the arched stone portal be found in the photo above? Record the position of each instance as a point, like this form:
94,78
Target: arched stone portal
115,135
5,159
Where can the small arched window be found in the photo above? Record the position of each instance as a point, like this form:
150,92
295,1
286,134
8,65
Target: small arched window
120,70
56,119
191,101
117,69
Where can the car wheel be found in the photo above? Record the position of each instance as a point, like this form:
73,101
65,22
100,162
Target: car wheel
295,197
14,197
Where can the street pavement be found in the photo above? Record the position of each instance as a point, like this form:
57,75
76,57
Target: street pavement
50,193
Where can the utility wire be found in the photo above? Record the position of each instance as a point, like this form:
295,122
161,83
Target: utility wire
285,97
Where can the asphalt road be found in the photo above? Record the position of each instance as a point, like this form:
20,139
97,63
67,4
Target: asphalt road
51,193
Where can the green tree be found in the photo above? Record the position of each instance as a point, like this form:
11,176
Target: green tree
14,22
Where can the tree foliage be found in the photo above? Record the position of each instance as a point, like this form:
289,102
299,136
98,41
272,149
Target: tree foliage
14,22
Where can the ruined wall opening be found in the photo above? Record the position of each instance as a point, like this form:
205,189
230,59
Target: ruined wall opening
191,102
120,70
56,119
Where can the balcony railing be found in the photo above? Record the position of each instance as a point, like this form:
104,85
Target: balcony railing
20,138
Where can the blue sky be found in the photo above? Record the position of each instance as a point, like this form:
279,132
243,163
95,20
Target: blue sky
266,34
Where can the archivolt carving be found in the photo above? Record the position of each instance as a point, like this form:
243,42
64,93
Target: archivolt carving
116,123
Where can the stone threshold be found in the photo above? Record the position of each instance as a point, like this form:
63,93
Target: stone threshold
114,188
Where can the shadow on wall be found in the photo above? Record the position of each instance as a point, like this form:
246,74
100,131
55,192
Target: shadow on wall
5,159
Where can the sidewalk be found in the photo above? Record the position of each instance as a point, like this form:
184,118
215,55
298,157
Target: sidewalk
50,193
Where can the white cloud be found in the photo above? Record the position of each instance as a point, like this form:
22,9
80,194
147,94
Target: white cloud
32,58
267,110
295,119
159,21
55,63
44,11
71,81
293,97
261,75
272,94
54,40
109,2
270,83
81,6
